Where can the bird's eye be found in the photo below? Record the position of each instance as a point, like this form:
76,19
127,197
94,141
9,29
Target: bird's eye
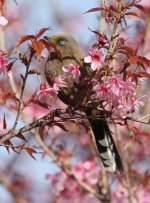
62,42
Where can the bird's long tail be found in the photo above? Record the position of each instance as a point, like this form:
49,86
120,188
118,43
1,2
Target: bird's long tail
106,146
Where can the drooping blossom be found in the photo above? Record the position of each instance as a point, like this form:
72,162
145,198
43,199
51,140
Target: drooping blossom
3,63
3,21
117,86
101,91
44,92
95,58
59,82
120,94
72,70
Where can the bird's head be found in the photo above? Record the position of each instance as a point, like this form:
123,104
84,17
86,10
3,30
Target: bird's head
66,44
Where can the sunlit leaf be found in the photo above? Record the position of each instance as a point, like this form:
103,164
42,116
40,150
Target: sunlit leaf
41,32
30,151
140,7
38,47
133,14
143,74
144,60
25,38
95,10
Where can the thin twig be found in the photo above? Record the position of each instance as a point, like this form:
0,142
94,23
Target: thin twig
22,91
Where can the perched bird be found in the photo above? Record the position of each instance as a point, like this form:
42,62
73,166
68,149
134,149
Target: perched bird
76,95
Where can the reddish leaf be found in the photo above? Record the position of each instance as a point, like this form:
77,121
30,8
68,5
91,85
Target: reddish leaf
133,14
140,7
4,122
38,47
113,9
25,38
122,52
144,60
21,136
60,125
129,50
134,59
143,74
30,151
120,42
22,146
41,31
45,43
95,10
8,142
50,46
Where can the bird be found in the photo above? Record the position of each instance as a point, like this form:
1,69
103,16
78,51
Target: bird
67,51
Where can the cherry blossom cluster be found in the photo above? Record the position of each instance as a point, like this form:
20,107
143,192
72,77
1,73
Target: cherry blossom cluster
87,171
119,94
116,93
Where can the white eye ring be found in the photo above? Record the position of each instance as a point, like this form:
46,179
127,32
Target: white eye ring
62,42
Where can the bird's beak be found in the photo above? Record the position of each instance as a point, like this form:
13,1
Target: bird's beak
47,38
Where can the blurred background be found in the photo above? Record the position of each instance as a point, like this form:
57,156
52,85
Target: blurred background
27,17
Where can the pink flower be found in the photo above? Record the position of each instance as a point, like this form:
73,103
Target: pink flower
59,82
118,87
61,182
101,91
72,70
95,58
3,20
3,63
86,171
121,110
119,94
44,92
115,85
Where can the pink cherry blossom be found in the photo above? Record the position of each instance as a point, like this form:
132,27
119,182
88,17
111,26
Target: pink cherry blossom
95,58
44,92
119,87
101,91
61,182
72,70
118,93
86,171
3,20
3,63
59,82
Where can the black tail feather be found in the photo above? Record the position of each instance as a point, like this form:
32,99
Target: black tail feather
106,146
